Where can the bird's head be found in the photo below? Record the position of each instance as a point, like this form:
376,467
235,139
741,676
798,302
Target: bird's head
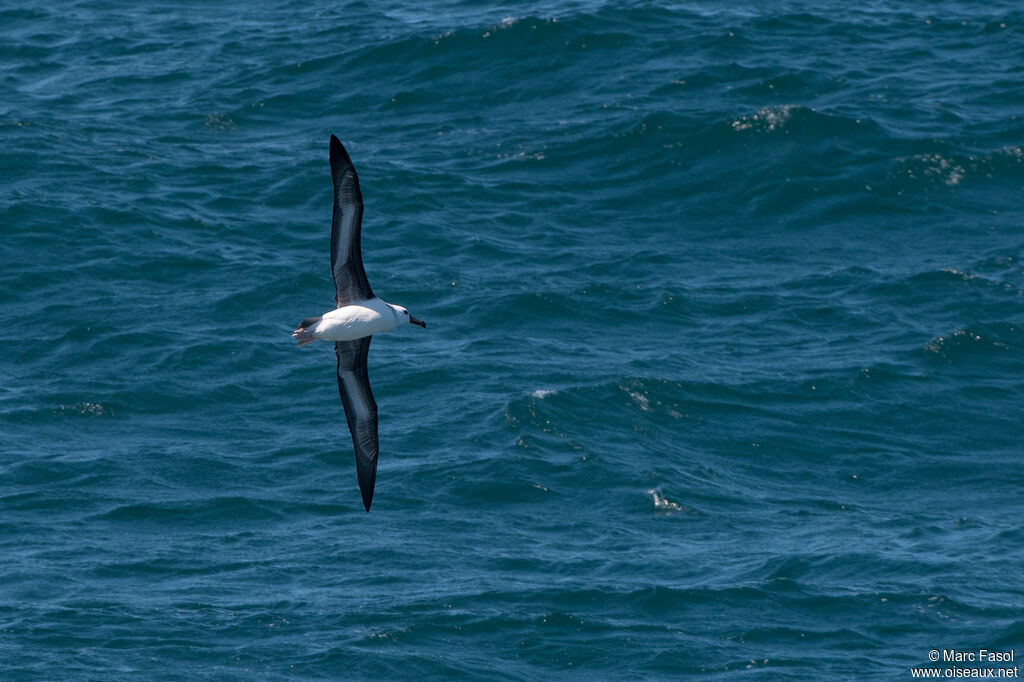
404,316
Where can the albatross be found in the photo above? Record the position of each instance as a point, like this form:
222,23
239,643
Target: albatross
358,316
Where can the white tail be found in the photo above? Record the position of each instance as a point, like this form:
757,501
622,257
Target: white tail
302,334
304,337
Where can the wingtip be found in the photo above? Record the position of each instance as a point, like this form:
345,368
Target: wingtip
340,160
367,475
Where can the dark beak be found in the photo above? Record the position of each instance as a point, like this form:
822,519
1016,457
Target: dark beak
417,321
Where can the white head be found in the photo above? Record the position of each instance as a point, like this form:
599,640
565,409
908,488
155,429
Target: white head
402,316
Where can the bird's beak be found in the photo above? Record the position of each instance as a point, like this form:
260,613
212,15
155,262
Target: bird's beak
418,322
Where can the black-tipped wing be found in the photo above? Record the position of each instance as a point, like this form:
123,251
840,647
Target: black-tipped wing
350,284
360,410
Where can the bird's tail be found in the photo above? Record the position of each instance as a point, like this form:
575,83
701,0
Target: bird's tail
303,334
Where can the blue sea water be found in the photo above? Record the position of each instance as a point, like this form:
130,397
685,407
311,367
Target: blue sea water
723,375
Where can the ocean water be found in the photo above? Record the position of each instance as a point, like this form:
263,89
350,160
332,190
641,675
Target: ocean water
723,376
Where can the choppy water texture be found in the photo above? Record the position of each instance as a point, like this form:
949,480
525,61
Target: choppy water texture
722,377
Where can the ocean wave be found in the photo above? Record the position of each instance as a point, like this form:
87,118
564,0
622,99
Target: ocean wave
237,509
976,342
1005,165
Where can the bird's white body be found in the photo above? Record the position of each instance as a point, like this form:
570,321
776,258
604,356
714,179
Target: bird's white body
350,322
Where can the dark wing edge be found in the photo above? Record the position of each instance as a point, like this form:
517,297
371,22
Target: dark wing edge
360,410
350,283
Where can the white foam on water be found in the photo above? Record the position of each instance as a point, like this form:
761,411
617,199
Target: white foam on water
661,503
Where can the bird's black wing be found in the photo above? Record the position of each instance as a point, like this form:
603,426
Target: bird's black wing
360,410
350,283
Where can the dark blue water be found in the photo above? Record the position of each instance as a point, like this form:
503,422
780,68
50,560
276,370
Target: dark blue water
724,366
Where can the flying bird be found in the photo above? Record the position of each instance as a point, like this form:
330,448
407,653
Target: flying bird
358,316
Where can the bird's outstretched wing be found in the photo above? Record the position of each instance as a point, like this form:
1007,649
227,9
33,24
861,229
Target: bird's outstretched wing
350,283
360,410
